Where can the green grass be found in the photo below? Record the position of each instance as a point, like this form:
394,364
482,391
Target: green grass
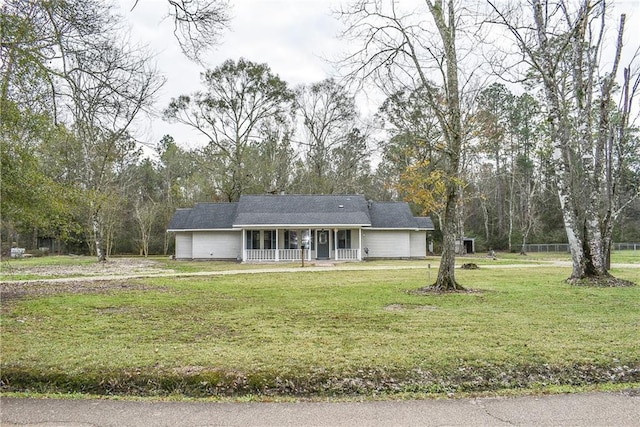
56,260
626,257
330,332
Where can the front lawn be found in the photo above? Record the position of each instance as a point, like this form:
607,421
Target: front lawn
323,333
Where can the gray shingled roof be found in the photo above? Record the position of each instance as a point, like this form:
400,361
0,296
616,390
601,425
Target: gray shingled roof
392,215
305,210
180,219
425,222
204,216
288,209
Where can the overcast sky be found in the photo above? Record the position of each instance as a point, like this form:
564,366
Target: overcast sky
294,37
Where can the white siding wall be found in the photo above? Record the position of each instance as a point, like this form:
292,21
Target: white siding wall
418,244
387,243
184,245
228,244
217,245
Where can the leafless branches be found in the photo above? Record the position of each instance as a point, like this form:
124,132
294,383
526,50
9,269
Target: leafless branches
197,24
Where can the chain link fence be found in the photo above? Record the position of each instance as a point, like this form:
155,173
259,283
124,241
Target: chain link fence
564,247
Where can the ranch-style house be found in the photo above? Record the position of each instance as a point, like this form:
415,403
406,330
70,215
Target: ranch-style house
284,227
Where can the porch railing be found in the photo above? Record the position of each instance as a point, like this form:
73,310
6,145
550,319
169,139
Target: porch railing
261,254
290,254
294,254
347,254
270,254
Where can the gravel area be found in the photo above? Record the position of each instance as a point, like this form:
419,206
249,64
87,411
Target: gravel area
84,278
114,266
10,291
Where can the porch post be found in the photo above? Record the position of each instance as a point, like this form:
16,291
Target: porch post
277,246
360,244
244,245
309,248
335,243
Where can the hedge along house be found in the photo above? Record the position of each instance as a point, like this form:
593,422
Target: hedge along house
283,227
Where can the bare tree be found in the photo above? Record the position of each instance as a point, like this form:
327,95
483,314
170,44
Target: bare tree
622,156
145,211
335,147
562,44
110,91
401,47
239,99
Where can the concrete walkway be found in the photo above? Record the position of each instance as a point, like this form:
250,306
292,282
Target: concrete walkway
590,409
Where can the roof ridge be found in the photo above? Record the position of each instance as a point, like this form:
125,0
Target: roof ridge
388,201
212,203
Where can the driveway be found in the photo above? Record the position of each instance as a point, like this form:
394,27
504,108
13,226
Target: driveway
590,409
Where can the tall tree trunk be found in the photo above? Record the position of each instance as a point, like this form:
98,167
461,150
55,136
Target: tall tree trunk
512,185
560,132
569,212
101,253
485,217
391,46
446,280
499,198
604,174
452,128
529,189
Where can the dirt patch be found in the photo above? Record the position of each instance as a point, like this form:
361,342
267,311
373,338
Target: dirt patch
469,266
433,290
112,267
601,282
12,291
202,381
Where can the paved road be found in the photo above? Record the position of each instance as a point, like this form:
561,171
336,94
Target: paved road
590,409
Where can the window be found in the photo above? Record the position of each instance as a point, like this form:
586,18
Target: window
344,239
291,239
269,241
253,239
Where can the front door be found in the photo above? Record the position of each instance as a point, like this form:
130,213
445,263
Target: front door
323,244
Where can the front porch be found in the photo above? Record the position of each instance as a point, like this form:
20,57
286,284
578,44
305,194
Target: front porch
258,255
288,245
